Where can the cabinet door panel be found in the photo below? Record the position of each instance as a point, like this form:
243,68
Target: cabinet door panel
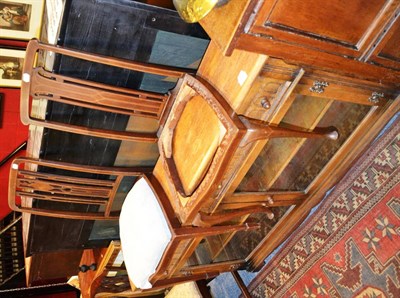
387,51
392,48
341,27
330,20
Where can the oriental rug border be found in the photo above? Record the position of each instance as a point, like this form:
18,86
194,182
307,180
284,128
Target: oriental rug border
375,174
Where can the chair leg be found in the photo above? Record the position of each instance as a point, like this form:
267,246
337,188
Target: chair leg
259,130
167,282
241,284
208,220
189,231
203,288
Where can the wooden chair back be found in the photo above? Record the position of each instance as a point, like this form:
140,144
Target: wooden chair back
70,190
38,83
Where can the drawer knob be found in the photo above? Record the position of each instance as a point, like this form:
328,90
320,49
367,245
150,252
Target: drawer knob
376,97
265,103
319,86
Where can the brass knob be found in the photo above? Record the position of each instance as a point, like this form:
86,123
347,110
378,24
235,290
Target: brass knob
265,103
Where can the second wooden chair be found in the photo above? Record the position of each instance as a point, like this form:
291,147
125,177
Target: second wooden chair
40,83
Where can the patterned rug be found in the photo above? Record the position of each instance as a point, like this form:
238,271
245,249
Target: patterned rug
350,247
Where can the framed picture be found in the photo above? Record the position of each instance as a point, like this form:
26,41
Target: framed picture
11,63
20,19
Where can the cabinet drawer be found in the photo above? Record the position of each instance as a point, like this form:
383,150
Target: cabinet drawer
271,89
343,90
278,84
264,97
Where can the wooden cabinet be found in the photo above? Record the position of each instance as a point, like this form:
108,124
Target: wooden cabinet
294,173
297,64
356,38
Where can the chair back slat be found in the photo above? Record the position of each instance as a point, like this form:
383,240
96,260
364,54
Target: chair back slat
63,199
67,189
62,78
61,178
63,195
97,96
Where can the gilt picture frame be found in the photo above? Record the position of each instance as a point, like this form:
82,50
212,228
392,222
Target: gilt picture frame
21,19
11,64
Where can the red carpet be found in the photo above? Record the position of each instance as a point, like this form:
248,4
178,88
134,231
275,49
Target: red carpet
350,247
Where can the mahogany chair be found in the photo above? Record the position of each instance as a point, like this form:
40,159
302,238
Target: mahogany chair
201,145
167,215
39,83
156,246
71,188
201,151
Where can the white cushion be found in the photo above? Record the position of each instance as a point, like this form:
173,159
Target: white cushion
144,233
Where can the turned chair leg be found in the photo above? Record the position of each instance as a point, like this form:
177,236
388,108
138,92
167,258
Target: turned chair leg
208,220
241,284
187,232
203,288
259,130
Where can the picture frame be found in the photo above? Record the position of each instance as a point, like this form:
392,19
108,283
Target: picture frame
11,64
21,19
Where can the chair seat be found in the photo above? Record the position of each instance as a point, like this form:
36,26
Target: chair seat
142,222
197,137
